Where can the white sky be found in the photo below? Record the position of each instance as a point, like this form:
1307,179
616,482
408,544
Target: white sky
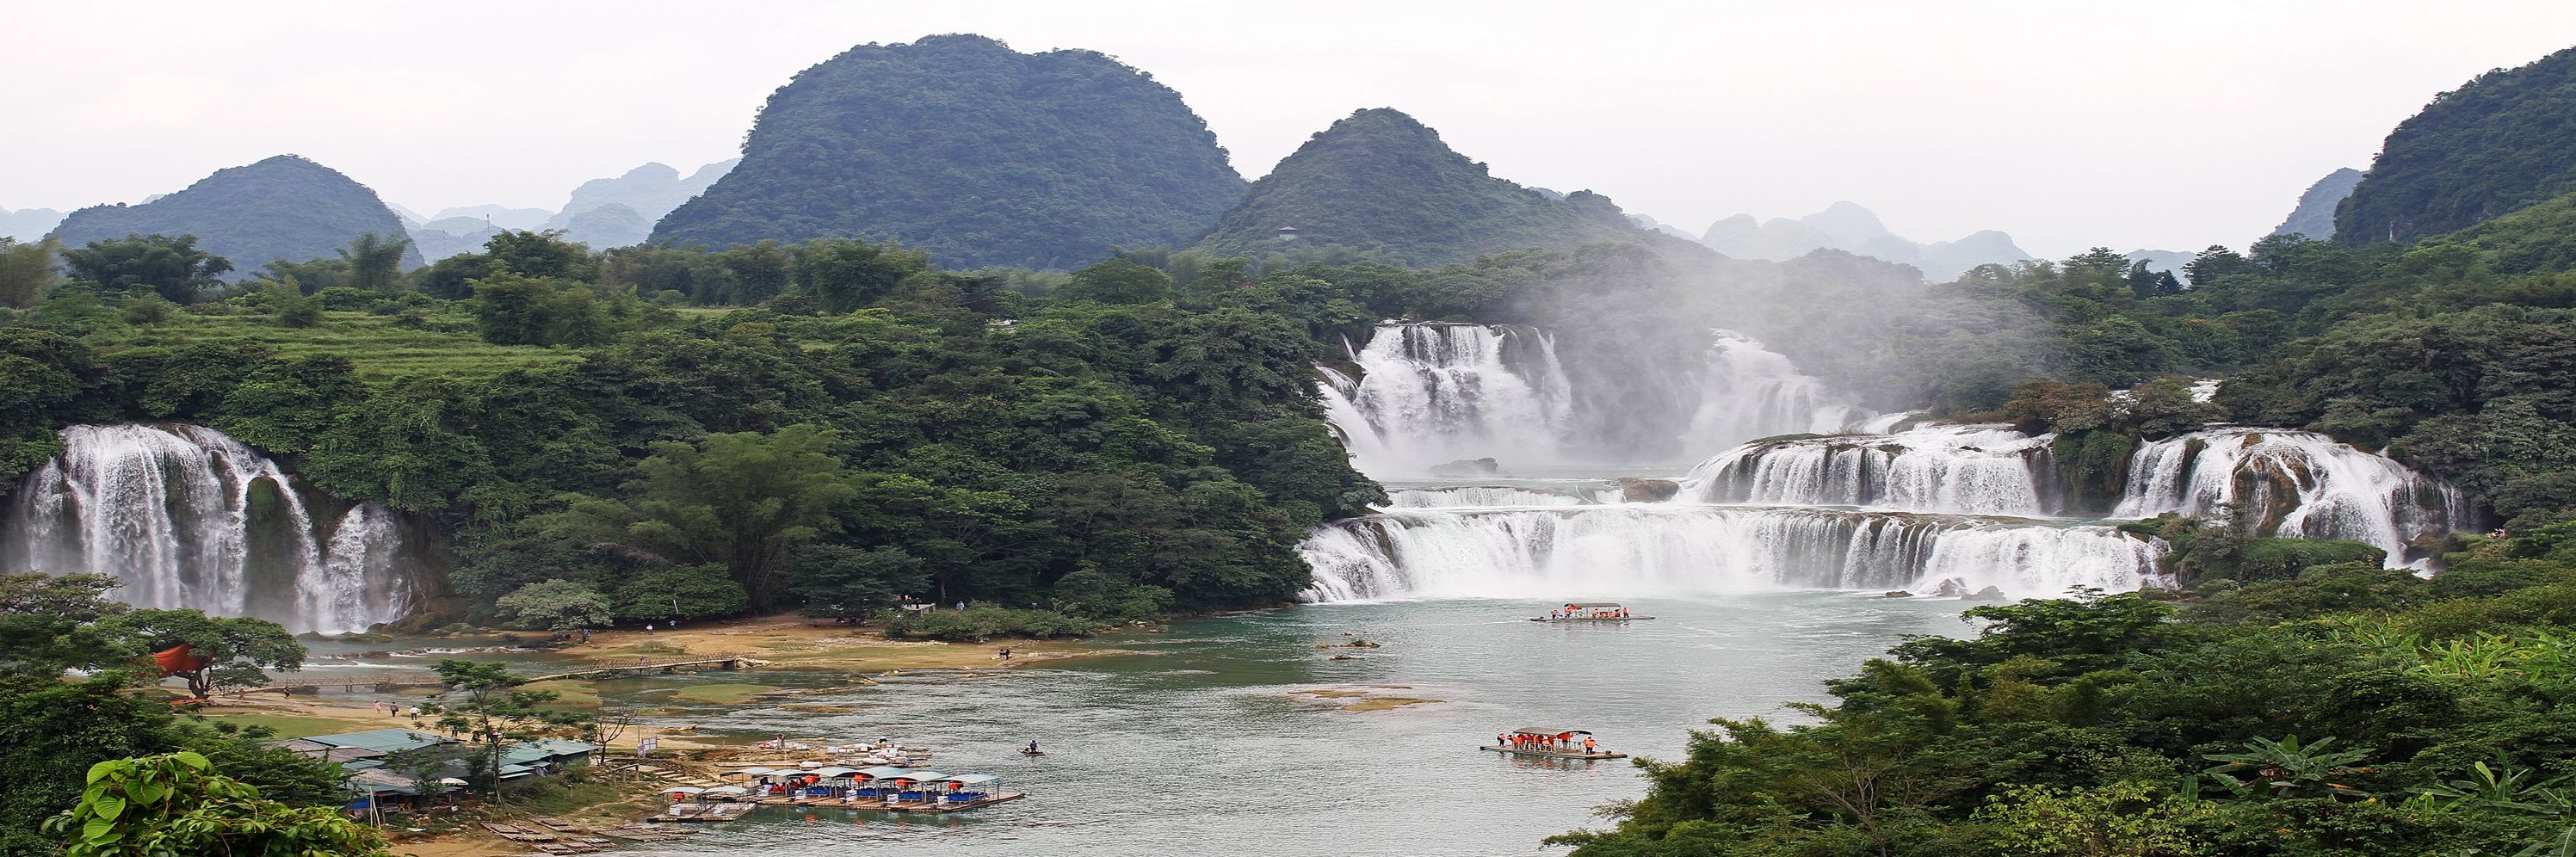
2068,124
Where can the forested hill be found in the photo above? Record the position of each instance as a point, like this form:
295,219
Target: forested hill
2314,217
979,154
1381,181
2503,141
285,207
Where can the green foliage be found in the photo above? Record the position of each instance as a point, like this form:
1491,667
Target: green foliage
233,651
2494,145
483,703
1380,183
1118,281
2127,818
555,605
842,582
171,266
681,592
741,501
977,154
981,622
177,804
27,271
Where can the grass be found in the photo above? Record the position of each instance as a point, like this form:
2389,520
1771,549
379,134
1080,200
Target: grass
568,694
722,694
379,351
291,726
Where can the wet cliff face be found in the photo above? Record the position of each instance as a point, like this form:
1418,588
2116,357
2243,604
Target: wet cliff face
185,516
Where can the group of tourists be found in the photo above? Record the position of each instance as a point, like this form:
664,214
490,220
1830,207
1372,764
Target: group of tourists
1576,611
1548,743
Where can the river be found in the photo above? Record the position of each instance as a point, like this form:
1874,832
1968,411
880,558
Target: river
1197,744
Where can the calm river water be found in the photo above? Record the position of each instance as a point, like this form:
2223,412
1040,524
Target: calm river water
1200,746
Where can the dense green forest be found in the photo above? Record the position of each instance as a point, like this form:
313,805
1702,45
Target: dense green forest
958,145
285,207
2308,707
1381,183
2498,143
880,428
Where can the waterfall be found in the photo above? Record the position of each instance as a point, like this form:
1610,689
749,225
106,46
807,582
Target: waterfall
184,516
1651,550
2296,484
1427,394
1484,496
1972,469
1433,393
1747,391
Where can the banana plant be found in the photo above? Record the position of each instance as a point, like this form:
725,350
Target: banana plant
2287,768
2502,787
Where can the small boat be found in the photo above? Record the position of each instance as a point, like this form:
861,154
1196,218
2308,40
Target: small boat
1549,742
1589,611
1028,752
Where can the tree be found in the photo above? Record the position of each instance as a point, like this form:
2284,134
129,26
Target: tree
844,274
27,271
219,652
177,804
2123,819
681,592
843,582
515,309
172,266
1118,281
555,605
291,307
740,500
48,624
375,263
493,712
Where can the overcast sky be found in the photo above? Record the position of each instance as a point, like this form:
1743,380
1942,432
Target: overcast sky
2151,124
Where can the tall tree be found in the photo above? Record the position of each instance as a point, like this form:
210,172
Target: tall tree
375,263
27,271
222,651
740,500
172,266
492,712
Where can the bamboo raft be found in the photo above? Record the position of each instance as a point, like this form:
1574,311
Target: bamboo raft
1552,754
1591,619
703,812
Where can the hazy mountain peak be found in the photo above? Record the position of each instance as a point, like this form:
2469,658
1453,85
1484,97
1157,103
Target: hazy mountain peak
1849,227
283,207
2315,215
982,155
1379,180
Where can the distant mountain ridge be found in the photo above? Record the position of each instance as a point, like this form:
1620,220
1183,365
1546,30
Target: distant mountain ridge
1848,227
28,224
977,153
285,207
1378,180
2315,215
2499,143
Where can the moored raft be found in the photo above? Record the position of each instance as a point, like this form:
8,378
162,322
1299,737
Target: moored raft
1589,611
1550,743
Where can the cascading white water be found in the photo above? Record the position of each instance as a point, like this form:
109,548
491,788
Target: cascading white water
1433,393
1966,469
1747,391
185,516
1646,550
1489,496
2296,484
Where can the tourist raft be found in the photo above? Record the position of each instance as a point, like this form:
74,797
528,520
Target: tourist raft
881,788
1551,743
1589,611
